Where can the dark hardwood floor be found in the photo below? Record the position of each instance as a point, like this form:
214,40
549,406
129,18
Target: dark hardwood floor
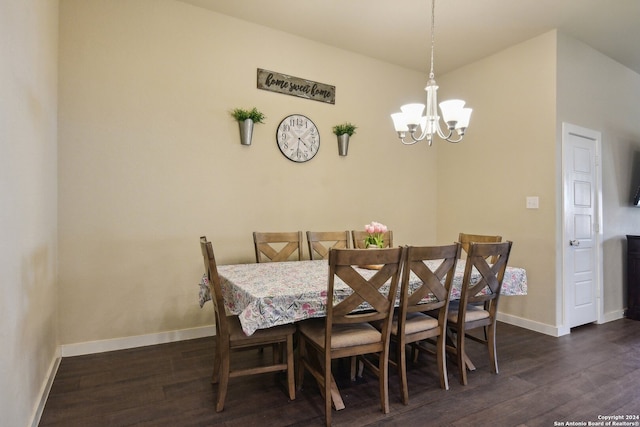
594,371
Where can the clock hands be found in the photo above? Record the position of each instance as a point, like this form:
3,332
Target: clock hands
298,148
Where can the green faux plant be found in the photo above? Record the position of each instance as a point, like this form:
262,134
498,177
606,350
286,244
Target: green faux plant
241,115
343,128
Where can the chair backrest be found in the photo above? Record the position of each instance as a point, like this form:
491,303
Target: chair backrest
277,246
321,241
215,288
465,239
359,236
379,291
434,290
487,288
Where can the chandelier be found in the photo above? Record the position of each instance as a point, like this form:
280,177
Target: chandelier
410,119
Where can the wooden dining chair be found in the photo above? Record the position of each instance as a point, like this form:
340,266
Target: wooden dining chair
411,324
469,313
359,236
277,246
346,332
231,338
465,239
321,241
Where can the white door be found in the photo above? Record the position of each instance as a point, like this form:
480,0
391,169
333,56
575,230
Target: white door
581,256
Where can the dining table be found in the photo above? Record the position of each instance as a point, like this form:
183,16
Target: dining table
264,295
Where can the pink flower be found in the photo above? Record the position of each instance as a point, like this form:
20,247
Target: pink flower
375,231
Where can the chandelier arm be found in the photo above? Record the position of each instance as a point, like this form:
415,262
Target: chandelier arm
402,135
408,142
450,139
441,134
422,136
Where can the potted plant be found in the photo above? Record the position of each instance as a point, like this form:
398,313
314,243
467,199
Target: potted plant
375,235
343,132
246,119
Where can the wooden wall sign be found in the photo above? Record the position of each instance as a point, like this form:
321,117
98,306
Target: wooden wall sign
295,86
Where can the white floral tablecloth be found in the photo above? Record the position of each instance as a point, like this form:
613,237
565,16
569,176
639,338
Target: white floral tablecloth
276,293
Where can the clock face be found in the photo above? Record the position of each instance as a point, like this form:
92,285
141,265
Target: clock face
298,138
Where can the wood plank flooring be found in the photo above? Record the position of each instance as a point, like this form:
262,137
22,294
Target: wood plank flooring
594,371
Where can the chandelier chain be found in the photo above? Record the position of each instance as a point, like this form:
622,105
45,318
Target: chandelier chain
433,37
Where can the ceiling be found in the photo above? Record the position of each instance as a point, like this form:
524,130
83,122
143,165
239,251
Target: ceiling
397,31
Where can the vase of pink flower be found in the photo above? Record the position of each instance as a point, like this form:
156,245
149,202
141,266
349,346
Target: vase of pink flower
375,231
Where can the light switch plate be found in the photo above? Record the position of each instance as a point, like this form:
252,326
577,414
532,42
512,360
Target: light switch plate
532,202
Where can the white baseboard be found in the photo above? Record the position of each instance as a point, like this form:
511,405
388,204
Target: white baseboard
532,325
90,347
554,331
612,315
45,389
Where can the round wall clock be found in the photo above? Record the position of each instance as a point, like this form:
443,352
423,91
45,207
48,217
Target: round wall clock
298,138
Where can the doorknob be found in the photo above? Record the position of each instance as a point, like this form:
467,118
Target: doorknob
574,242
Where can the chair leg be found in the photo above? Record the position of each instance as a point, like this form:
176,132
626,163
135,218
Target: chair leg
402,370
216,364
383,372
460,352
491,344
290,369
300,362
327,389
223,383
442,361
415,353
353,367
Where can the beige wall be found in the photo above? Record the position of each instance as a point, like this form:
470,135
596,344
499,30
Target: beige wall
598,93
520,98
150,158
28,197
507,155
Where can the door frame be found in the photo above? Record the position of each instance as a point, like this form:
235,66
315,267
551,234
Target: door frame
569,129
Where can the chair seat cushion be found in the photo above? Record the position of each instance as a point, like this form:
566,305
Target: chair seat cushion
473,313
416,322
237,334
342,335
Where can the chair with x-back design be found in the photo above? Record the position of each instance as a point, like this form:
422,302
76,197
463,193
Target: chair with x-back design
321,241
231,338
278,246
346,331
465,239
478,304
422,314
